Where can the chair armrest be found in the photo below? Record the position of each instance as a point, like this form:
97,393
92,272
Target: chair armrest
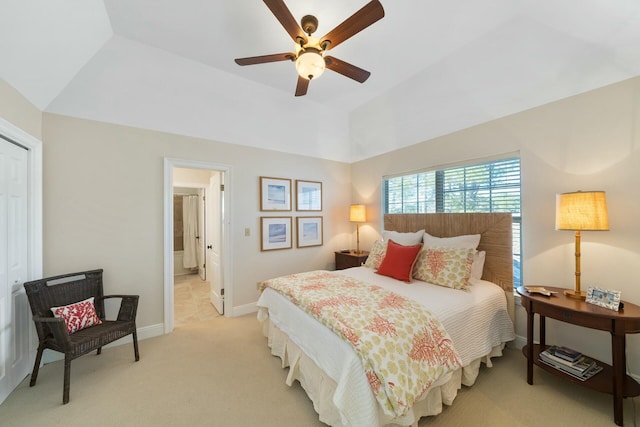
128,306
57,327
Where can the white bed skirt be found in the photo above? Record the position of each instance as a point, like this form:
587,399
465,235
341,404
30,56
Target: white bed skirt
321,388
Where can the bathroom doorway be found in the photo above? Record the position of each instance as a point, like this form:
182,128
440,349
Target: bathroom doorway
197,283
191,222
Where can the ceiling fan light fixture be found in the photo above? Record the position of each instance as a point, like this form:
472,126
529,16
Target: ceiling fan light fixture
310,64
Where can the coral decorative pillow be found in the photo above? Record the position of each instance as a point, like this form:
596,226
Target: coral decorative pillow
399,260
77,316
449,267
376,255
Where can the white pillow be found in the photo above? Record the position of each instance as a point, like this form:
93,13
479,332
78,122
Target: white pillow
478,264
404,239
467,241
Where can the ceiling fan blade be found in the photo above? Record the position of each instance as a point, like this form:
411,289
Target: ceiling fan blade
370,13
266,58
346,69
302,86
282,14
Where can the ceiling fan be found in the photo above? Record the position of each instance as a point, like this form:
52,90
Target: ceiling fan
309,54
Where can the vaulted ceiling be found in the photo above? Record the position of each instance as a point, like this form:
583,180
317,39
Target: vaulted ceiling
436,67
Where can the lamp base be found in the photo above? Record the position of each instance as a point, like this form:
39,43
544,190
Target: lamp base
575,294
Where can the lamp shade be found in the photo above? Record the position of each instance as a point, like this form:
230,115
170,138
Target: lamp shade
357,213
582,210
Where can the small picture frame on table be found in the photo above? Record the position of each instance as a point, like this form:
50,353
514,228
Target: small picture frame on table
603,298
275,194
308,196
275,233
309,231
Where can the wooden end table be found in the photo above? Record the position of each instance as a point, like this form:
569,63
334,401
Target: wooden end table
613,379
350,259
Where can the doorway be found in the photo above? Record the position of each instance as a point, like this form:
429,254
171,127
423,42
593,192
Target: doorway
208,245
192,219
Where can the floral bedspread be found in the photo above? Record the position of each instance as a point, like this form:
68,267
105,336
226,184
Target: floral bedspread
404,349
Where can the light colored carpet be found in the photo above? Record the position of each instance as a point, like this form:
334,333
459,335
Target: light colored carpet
220,372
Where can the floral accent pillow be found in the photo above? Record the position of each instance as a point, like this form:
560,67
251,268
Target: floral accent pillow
448,267
376,255
77,316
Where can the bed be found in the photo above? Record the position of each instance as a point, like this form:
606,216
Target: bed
478,322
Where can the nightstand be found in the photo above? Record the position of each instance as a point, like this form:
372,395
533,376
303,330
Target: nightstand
350,259
613,379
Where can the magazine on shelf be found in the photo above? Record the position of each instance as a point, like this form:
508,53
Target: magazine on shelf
580,366
565,353
582,377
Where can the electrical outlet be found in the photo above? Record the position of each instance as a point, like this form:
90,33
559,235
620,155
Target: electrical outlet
247,232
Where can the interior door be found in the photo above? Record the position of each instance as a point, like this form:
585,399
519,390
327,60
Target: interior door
202,212
215,216
15,314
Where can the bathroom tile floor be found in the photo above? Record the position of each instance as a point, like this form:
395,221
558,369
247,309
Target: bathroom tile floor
191,300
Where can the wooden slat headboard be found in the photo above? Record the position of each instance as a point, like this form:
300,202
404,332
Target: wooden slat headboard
494,229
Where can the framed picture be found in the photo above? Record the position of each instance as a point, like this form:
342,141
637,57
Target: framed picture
275,233
308,196
275,194
604,298
309,231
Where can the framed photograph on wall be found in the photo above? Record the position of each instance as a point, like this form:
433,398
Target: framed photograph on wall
308,196
604,298
309,231
275,194
275,233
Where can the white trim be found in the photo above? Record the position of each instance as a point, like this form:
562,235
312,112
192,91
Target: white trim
169,164
241,310
34,146
458,164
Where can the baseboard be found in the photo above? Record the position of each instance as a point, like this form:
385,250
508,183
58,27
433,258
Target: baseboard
519,342
241,310
143,333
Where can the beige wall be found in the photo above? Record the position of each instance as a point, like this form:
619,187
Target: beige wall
92,170
587,142
103,207
16,109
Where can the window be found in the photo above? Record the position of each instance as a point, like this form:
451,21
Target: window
483,187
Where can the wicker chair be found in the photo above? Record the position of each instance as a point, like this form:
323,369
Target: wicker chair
52,332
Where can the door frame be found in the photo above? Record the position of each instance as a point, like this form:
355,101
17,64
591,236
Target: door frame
34,211
169,164
34,147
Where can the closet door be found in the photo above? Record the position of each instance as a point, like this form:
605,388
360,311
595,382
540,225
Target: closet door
14,309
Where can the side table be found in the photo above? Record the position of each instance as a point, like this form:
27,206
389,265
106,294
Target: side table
613,379
350,259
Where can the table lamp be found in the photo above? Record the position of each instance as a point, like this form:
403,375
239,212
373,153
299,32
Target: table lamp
581,211
357,214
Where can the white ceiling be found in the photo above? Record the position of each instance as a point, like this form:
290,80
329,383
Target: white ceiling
436,67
